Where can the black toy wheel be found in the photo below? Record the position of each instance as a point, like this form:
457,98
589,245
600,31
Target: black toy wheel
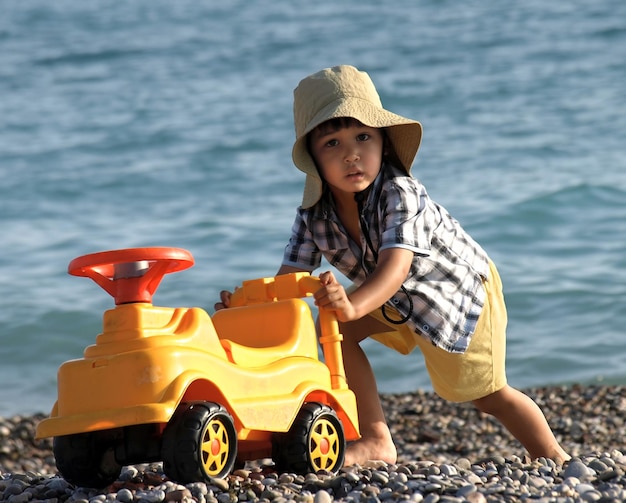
199,443
87,459
314,442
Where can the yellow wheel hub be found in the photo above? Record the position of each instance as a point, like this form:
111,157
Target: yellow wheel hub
215,447
324,445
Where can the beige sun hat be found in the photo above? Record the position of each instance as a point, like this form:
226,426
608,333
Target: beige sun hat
344,91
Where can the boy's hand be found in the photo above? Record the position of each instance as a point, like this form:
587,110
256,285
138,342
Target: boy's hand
333,296
225,300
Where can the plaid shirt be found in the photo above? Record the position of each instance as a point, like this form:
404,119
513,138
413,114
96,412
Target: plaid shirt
445,280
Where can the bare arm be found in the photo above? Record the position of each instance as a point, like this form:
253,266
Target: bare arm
391,271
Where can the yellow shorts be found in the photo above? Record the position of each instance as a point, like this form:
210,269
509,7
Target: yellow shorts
471,375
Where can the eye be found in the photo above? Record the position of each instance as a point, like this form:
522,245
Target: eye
363,137
332,143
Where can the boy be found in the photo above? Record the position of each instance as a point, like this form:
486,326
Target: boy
418,278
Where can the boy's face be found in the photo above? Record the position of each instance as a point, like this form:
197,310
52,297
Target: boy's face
349,158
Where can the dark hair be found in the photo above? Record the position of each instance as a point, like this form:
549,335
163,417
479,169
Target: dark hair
337,123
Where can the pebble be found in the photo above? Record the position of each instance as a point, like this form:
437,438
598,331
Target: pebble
448,453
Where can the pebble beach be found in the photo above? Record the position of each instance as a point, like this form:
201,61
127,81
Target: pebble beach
447,453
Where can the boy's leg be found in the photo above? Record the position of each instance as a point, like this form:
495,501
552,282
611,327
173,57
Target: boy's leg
480,372
376,442
519,414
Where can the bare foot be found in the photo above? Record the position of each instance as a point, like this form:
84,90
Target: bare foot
370,449
562,457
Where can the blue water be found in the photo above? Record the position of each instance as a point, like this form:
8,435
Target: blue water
157,123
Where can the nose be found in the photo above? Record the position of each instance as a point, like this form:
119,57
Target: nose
351,154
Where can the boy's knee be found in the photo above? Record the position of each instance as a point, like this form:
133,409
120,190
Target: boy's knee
354,332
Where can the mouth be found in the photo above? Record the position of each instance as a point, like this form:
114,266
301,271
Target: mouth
354,175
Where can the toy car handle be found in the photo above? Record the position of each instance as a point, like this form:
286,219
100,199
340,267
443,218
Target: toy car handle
132,274
297,285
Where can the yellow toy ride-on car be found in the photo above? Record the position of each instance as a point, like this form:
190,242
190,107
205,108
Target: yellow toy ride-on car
200,393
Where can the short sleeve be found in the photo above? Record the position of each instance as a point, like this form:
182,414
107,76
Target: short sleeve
301,251
405,220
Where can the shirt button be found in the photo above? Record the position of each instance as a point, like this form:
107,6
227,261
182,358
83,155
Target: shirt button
395,301
426,328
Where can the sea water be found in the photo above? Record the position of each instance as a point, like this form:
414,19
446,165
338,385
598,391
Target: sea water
157,123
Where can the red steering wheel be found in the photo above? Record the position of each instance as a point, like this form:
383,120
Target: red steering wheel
133,274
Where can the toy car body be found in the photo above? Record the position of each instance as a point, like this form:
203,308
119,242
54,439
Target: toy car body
200,393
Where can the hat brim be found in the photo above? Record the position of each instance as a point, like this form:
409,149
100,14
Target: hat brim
404,134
